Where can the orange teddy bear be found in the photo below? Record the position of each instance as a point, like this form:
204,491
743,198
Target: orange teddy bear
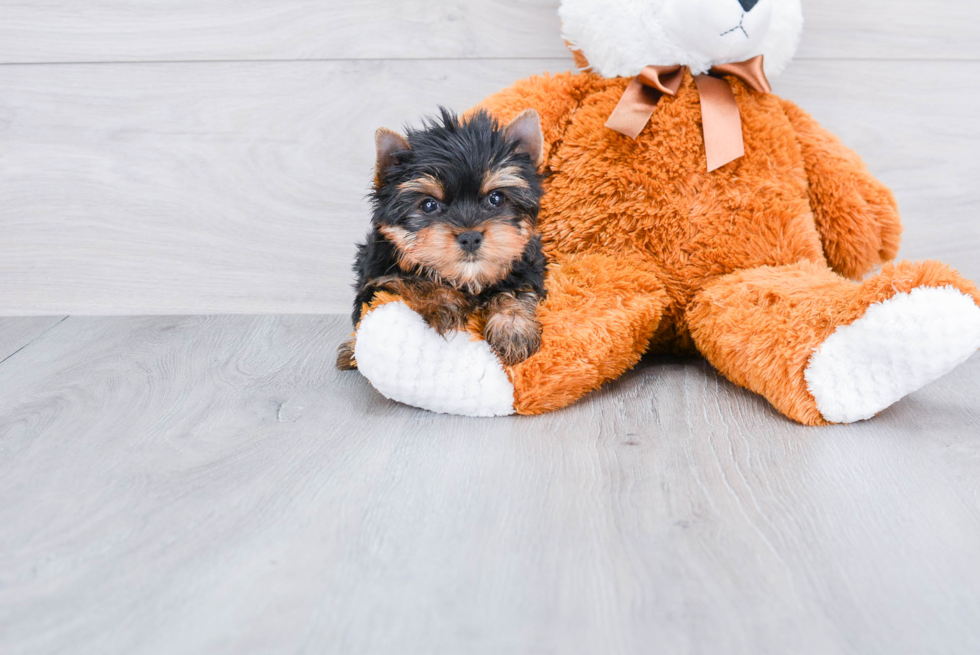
732,225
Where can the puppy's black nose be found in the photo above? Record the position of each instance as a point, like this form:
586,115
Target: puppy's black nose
747,5
470,241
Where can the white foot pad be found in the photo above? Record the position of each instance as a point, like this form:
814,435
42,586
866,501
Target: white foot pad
407,361
898,346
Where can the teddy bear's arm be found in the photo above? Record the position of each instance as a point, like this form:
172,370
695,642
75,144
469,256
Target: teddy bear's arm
554,97
857,215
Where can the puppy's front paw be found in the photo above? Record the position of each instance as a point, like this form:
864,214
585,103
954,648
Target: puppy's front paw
514,347
443,309
512,328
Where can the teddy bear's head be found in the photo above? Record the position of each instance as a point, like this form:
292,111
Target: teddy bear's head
620,37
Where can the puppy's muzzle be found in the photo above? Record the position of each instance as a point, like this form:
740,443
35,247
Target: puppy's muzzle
470,241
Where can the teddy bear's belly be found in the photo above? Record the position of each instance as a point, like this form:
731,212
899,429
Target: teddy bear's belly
654,201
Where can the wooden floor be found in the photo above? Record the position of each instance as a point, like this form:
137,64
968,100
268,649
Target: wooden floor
213,485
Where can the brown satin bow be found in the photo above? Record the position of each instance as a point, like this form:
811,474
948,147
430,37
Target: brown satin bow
719,111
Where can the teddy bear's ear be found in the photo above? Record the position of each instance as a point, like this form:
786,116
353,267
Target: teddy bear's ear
388,144
525,130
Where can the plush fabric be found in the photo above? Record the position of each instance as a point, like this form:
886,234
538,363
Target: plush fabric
599,315
735,250
759,327
409,362
653,197
895,347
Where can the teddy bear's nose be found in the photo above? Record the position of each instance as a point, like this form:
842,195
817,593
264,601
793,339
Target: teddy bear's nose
747,5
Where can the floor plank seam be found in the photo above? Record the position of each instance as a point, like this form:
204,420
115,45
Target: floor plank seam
34,339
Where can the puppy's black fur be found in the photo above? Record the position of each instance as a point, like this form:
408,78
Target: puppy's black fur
453,229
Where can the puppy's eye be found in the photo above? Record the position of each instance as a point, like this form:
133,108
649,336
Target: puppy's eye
429,206
495,198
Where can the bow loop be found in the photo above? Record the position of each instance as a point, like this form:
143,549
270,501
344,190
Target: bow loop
720,117
666,79
749,71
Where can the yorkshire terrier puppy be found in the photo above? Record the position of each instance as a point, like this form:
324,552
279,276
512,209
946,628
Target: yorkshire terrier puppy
454,229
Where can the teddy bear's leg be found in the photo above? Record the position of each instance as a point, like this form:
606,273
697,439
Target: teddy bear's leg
597,320
823,349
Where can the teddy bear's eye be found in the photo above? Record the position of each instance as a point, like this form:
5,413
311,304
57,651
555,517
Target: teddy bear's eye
495,198
429,206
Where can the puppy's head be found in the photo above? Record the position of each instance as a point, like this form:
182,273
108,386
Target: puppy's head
459,198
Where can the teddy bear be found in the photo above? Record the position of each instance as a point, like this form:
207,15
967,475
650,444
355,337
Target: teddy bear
689,210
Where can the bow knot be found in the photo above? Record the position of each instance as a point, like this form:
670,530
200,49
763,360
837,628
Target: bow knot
719,112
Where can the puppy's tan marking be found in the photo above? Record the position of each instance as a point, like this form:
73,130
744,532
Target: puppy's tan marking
426,185
402,238
388,145
503,246
505,176
434,250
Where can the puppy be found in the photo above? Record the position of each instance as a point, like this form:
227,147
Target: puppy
454,229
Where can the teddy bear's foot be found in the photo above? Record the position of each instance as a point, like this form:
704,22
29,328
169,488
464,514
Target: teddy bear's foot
823,349
897,347
407,361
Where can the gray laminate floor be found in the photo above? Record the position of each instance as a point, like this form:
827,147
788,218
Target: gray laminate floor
213,485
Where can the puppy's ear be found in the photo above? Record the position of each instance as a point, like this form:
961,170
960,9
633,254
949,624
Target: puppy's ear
525,129
388,144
